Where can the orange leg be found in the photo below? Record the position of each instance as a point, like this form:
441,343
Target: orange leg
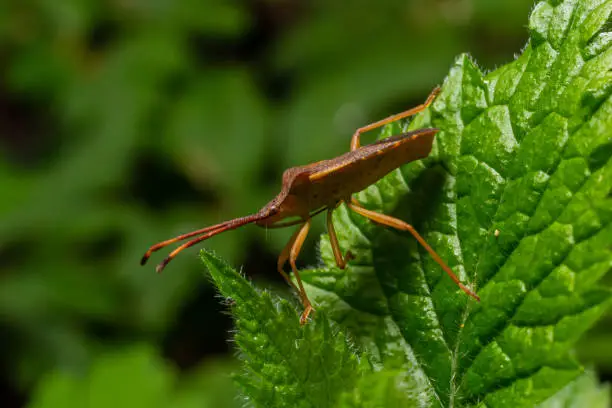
284,257
355,142
401,225
333,239
291,252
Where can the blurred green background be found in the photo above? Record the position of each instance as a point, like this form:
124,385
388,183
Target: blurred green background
126,122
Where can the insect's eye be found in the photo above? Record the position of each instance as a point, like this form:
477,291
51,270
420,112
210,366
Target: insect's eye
271,209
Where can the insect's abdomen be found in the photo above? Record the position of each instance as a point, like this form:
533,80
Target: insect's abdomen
352,172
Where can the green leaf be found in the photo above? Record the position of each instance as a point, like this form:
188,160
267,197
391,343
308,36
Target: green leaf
584,391
129,378
386,388
136,377
523,151
515,196
284,364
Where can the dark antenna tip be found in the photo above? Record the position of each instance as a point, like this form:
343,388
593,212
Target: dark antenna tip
145,258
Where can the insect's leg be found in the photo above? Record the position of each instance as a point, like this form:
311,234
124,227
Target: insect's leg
333,239
293,254
284,257
401,225
355,143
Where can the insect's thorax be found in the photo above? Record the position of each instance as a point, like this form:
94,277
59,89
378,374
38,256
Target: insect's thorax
323,184
354,177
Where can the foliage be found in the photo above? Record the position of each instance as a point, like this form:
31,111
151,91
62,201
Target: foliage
136,377
584,391
516,196
285,363
125,122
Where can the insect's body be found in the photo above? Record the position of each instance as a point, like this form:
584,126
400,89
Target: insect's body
325,183
310,189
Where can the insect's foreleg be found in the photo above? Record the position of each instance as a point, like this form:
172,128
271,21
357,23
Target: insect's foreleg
333,239
355,141
401,225
293,254
284,257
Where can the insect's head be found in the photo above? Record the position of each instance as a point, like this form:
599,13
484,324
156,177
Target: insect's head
275,210
272,208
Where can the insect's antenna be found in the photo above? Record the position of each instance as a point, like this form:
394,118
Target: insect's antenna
208,232
182,237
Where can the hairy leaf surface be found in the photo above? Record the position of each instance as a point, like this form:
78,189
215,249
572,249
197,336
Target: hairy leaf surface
516,197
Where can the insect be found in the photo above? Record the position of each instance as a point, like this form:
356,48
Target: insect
322,186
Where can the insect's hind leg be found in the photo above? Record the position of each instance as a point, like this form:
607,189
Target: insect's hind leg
403,226
355,141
